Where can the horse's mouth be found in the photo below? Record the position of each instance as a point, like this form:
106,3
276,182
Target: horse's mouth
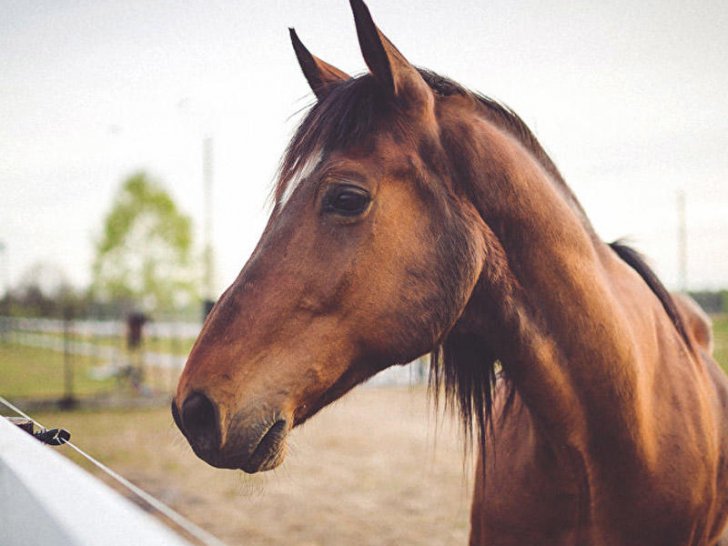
252,449
270,451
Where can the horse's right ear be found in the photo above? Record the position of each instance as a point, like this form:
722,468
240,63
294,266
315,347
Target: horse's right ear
321,75
386,63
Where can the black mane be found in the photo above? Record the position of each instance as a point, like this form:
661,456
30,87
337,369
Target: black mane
635,260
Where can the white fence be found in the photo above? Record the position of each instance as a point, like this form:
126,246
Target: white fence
46,499
48,334
86,336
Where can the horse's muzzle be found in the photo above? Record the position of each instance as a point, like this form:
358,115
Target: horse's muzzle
255,440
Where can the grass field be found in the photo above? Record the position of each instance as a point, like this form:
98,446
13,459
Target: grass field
720,330
36,372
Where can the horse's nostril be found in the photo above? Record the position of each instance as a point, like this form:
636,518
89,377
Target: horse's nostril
200,421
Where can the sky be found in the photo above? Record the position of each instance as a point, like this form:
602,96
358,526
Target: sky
629,98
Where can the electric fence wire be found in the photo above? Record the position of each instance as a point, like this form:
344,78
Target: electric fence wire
178,519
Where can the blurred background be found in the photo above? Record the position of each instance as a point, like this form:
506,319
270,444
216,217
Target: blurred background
138,145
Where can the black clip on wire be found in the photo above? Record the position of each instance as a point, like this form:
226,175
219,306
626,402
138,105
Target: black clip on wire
53,437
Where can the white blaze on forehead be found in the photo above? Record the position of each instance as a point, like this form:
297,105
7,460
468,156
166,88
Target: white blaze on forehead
303,169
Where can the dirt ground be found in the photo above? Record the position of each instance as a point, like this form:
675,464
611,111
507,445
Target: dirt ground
377,467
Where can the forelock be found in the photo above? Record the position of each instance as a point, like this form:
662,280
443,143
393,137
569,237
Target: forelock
348,117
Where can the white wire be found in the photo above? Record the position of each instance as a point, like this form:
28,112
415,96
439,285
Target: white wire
200,534
19,412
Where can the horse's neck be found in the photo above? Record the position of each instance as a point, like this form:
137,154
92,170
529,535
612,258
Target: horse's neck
556,315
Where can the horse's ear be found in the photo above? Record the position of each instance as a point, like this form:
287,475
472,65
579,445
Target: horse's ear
321,75
384,60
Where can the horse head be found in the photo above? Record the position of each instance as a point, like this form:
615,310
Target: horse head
368,259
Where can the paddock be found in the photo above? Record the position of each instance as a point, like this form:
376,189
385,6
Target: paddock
377,468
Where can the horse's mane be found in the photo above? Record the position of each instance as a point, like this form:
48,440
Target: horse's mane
461,366
637,262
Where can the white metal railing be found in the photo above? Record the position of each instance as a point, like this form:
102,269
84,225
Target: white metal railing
46,499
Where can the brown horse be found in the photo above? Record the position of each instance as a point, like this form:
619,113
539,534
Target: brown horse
414,216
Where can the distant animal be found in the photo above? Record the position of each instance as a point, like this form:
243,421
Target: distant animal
412,216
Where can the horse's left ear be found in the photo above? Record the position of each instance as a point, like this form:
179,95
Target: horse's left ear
384,60
321,76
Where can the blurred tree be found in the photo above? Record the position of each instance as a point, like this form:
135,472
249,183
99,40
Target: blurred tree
144,254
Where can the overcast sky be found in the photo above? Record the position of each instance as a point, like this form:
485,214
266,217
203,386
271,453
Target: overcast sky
630,99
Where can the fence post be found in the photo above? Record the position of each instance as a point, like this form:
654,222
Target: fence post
69,400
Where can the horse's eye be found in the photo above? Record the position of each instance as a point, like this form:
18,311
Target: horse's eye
346,200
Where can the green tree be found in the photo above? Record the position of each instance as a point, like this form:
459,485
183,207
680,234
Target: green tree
144,254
